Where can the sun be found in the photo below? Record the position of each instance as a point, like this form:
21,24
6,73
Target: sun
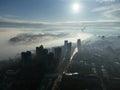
76,7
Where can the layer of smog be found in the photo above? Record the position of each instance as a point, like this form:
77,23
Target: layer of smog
59,45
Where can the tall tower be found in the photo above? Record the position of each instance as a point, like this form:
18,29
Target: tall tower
64,48
57,52
65,43
26,58
39,50
69,48
78,44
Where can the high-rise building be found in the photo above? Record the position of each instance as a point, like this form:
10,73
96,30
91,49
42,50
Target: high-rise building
26,58
29,55
69,48
39,50
78,44
65,43
57,52
64,48
23,56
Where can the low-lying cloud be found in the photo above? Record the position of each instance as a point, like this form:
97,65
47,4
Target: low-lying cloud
35,38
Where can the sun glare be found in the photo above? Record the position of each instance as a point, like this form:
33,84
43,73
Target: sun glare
76,7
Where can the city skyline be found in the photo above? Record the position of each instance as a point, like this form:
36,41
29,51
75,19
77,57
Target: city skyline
59,45
25,24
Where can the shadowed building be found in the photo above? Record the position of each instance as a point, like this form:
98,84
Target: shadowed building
78,82
69,48
57,52
64,48
26,57
79,44
39,50
65,43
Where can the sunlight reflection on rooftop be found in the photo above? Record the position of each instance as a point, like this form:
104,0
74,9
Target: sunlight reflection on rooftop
69,74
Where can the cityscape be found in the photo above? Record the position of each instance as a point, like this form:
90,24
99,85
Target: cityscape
80,66
59,44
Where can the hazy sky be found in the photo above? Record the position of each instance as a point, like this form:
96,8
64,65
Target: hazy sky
59,10
27,22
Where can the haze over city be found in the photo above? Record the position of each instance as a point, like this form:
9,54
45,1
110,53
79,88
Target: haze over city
25,24
59,44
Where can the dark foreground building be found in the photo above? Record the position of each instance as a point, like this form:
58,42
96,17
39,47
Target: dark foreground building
78,82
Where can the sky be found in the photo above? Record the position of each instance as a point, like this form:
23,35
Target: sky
25,24
59,10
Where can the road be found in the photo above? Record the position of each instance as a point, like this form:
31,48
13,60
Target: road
62,68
